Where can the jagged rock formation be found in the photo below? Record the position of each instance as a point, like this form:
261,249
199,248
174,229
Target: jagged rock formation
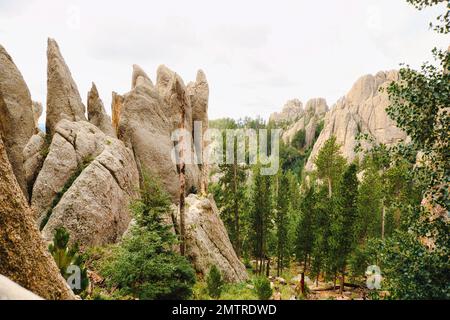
198,92
63,98
85,185
148,116
292,111
24,257
207,241
116,108
16,115
82,178
97,114
362,110
139,77
310,118
34,155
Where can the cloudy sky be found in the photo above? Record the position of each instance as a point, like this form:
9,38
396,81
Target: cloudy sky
256,54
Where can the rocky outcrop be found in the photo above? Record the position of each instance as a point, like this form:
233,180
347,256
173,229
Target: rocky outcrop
116,108
34,155
362,110
292,111
310,119
24,257
63,98
198,92
139,77
97,114
147,119
207,241
17,123
85,185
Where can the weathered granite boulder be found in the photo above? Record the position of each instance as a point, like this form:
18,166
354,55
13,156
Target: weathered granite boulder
95,209
361,111
207,241
86,183
16,115
63,98
24,257
34,155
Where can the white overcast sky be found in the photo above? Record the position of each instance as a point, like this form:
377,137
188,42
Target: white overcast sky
256,54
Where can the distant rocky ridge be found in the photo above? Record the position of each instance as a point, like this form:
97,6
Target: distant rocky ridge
361,111
309,120
292,110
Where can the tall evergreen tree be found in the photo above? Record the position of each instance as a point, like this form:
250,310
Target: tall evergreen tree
305,236
261,216
330,164
343,238
282,222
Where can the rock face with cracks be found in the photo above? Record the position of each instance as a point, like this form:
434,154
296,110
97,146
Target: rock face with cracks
97,114
17,123
86,184
207,241
361,111
309,120
24,257
63,98
148,119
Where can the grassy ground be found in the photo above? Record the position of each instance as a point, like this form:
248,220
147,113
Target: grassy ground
246,291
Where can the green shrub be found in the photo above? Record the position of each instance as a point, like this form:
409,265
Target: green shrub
66,257
299,140
214,283
144,265
262,288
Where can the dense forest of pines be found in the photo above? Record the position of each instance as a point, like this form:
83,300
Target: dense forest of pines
389,209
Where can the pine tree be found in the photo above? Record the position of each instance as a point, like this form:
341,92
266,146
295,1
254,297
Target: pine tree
145,265
214,283
306,231
66,257
343,237
232,200
330,164
261,216
282,221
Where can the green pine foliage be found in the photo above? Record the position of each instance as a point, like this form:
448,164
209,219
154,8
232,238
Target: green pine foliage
145,265
66,257
262,288
214,283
